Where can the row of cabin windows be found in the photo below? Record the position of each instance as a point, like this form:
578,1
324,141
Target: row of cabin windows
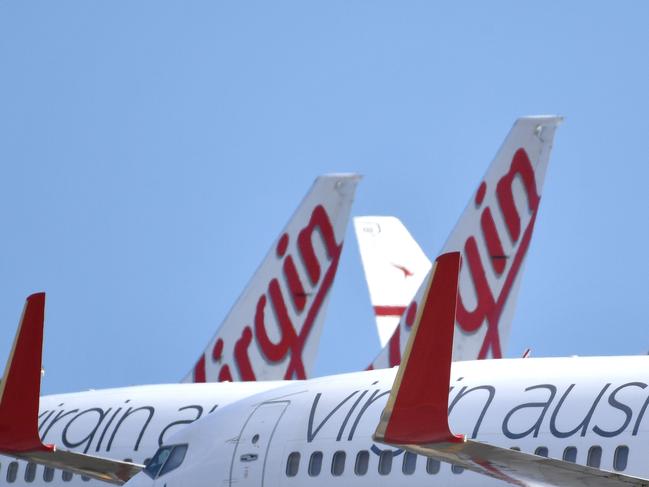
594,456
48,473
361,464
409,463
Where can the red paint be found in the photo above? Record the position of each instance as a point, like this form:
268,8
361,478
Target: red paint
492,338
500,474
282,245
389,310
406,272
394,348
224,374
489,308
274,351
522,167
217,351
494,245
479,196
199,370
21,384
246,372
412,313
291,341
319,221
295,287
296,367
471,321
420,412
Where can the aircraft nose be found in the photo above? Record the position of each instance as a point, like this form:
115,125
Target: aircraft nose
140,480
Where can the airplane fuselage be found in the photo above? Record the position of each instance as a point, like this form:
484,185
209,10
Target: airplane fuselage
317,432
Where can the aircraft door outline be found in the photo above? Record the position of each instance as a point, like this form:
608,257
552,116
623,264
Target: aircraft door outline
251,451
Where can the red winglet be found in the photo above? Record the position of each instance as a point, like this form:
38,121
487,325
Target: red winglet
417,410
21,384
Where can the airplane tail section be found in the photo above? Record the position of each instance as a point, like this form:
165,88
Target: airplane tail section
493,235
273,329
394,265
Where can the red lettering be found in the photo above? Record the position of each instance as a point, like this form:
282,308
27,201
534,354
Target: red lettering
412,313
217,351
521,166
224,374
320,221
494,245
395,348
274,352
470,321
488,308
246,372
294,284
291,342
199,370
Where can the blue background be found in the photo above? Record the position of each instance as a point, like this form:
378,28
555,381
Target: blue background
151,151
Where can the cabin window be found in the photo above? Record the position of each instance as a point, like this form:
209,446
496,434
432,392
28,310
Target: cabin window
620,458
409,463
85,478
570,454
515,448
66,476
30,472
293,464
594,458
385,462
338,463
456,469
12,472
432,466
315,463
48,474
362,462
541,451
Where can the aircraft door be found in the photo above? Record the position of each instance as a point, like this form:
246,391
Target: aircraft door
249,460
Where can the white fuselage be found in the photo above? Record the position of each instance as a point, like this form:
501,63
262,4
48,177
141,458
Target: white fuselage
127,423
567,405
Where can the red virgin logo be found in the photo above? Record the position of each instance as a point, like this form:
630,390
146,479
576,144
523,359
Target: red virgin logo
305,296
489,307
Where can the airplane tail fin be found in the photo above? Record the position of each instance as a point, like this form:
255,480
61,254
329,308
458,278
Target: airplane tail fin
273,329
394,265
493,235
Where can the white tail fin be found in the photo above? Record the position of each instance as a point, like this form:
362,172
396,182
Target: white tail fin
273,330
493,235
394,265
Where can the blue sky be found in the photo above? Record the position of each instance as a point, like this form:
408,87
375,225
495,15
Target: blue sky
151,151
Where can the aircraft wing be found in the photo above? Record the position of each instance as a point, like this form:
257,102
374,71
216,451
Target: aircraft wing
19,401
519,468
415,417
111,471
